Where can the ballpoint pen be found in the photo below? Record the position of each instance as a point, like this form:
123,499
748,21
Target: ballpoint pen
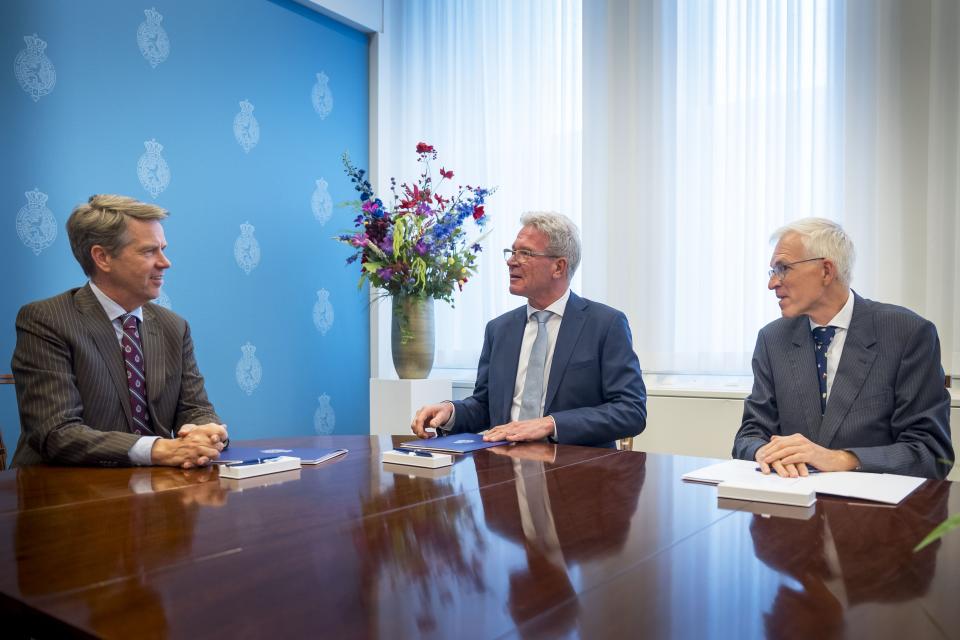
241,463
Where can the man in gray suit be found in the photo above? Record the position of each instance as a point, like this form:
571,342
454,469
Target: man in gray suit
840,382
103,377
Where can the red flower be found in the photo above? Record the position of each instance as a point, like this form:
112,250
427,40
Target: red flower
423,147
413,197
446,174
478,212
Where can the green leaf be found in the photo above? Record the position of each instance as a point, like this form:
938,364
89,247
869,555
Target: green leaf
398,230
942,529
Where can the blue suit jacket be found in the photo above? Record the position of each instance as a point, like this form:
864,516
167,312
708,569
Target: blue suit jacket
888,405
595,391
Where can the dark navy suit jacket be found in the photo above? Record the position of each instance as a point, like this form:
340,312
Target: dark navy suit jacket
595,392
888,405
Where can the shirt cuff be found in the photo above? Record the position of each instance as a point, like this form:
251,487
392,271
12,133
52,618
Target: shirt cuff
553,438
140,452
448,425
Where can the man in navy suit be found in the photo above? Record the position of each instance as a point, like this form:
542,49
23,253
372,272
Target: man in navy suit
840,382
560,367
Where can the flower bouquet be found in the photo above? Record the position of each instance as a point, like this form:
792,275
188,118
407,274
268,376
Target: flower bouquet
416,249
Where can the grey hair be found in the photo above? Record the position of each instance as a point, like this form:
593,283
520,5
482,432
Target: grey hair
823,238
562,234
102,220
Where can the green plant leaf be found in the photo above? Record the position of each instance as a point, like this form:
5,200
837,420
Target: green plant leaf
941,530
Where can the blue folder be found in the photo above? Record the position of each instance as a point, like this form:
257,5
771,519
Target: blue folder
457,443
307,455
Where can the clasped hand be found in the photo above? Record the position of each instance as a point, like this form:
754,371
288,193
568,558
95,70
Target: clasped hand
789,456
194,446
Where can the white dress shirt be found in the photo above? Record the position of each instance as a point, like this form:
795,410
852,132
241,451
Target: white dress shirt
842,323
529,336
140,451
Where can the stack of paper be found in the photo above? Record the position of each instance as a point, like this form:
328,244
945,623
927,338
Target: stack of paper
415,458
791,491
259,468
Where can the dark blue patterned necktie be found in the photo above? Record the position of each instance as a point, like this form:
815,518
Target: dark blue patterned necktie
136,380
822,336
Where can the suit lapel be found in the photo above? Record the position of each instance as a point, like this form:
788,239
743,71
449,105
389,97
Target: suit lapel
803,363
508,361
855,364
156,371
574,317
103,334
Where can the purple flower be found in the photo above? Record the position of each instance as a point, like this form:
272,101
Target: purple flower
385,273
359,240
421,248
423,209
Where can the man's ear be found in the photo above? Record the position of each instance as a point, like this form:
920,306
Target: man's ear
101,257
829,271
561,269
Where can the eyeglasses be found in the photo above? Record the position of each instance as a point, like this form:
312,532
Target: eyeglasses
780,271
522,255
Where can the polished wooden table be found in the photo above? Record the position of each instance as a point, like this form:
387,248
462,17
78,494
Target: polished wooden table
533,540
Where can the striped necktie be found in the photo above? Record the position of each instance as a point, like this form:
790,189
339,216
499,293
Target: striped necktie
136,380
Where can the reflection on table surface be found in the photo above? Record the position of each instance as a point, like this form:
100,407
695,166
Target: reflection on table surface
531,540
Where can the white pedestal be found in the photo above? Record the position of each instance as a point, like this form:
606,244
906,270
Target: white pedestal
393,403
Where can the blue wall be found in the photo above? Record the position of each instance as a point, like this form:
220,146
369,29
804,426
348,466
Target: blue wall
85,134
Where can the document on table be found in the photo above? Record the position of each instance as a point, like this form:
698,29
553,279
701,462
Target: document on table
880,487
307,455
458,443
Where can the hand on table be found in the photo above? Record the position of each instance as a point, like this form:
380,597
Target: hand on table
431,416
789,456
194,446
521,430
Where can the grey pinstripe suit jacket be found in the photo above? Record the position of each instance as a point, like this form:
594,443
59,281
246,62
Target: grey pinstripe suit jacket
888,405
72,385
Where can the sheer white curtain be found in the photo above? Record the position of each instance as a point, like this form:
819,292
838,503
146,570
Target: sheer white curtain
709,124
495,87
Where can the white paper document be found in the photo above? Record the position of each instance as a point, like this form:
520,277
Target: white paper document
879,487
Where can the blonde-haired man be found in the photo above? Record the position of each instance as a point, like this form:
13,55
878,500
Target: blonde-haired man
103,377
841,382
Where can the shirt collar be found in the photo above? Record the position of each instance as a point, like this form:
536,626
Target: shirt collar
112,309
557,307
843,317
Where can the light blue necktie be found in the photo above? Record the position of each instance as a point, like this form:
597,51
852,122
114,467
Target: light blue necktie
533,385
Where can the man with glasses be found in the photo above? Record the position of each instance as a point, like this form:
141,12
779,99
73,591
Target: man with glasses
841,383
560,368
